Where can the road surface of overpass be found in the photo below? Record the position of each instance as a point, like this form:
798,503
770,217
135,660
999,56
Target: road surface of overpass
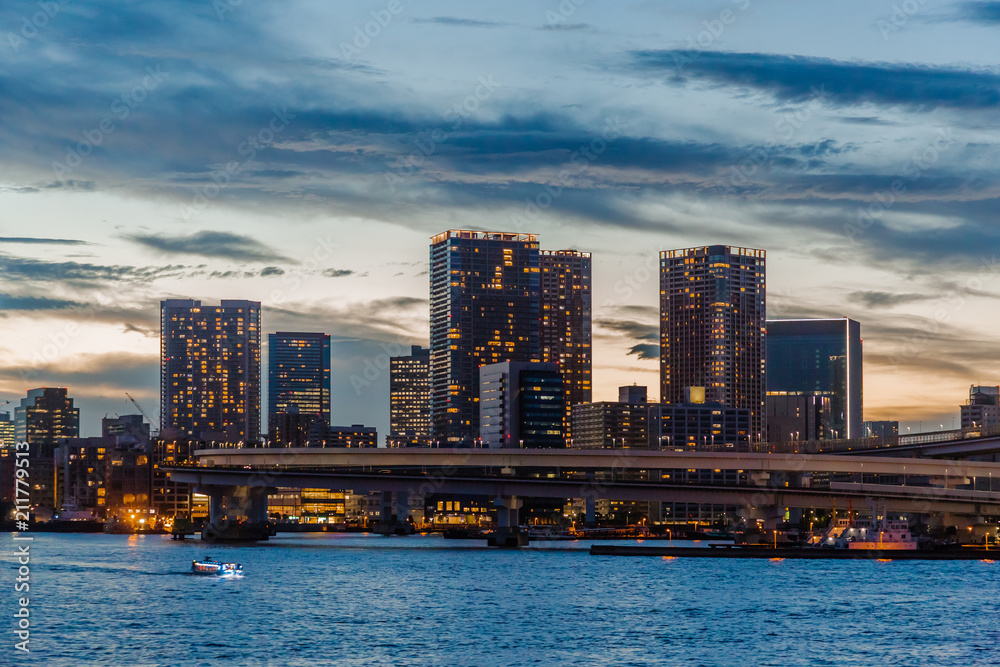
591,459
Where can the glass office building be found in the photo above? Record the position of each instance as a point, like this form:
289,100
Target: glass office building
820,357
298,375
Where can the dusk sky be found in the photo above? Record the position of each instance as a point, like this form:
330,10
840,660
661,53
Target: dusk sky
274,151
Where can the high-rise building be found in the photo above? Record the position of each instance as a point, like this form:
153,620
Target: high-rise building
7,429
521,405
611,425
566,335
298,375
821,357
484,309
46,416
410,399
712,314
210,369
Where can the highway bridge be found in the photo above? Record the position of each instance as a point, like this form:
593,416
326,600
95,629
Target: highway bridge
778,481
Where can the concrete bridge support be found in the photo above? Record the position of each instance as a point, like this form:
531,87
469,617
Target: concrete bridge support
393,517
508,533
236,514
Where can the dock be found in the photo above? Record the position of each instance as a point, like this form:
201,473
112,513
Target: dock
794,553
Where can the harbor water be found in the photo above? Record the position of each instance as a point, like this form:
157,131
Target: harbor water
347,599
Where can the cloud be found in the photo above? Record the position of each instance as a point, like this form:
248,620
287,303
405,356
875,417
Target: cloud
460,22
567,27
39,241
32,303
646,351
984,12
796,79
338,273
224,245
393,318
887,299
35,270
235,273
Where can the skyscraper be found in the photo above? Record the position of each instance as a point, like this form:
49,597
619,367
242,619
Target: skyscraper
210,369
298,375
820,357
712,315
46,416
485,308
566,324
409,399
6,429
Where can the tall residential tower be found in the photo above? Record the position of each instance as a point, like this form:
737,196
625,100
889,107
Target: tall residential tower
485,307
566,336
712,327
409,399
210,369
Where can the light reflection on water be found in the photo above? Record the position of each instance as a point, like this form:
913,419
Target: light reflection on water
358,599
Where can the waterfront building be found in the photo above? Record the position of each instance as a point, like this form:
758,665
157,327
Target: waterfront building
521,405
298,376
982,409
171,498
712,335
699,425
128,430
355,435
409,399
881,429
210,370
6,429
484,309
566,331
291,429
819,357
798,416
613,425
44,418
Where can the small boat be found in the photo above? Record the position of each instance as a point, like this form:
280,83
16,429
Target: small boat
212,566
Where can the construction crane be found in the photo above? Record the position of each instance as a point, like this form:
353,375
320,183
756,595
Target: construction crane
139,407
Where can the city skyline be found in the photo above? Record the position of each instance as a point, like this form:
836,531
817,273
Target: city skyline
311,171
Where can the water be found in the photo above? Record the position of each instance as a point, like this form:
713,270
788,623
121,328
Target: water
327,599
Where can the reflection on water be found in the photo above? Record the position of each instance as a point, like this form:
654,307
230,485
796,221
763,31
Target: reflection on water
355,599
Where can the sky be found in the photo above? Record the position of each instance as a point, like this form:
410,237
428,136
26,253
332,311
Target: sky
302,153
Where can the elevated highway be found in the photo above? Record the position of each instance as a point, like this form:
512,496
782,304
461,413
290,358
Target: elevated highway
585,459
